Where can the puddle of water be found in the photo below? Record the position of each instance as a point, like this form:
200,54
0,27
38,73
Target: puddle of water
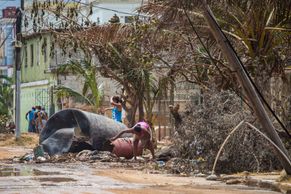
54,179
40,173
48,185
12,171
9,172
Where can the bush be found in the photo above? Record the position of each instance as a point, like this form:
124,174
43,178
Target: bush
3,122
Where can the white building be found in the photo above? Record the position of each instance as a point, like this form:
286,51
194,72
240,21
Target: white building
7,36
104,10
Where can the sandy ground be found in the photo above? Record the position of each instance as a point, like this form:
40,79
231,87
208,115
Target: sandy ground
27,140
170,184
178,190
10,148
10,152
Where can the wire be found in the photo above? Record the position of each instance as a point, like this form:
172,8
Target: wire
252,82
86,4
208,53
108,9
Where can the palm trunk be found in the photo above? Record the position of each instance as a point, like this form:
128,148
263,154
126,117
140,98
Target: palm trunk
140,109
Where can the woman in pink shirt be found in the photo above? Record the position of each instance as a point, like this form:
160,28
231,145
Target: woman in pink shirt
141,132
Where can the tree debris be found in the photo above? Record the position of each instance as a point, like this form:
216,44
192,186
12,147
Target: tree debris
204,127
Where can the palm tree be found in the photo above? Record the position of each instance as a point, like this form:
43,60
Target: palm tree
6,95
259,32
88,71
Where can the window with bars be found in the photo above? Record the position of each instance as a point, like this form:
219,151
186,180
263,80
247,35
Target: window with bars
31,55
25,57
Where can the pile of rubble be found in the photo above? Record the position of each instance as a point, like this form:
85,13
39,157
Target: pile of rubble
86,155
202,129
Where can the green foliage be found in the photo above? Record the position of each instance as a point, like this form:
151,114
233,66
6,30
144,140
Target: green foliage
64,92
85,69
6,95
3,121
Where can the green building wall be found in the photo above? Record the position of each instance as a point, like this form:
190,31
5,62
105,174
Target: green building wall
33,96
34,66
36,81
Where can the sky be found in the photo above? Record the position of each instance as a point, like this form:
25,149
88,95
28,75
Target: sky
8,3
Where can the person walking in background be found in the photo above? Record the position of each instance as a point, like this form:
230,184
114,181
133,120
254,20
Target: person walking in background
41,119
35,118
29,116
116,108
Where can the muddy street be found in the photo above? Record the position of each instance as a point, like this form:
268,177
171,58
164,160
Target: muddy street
121,177
99,178
55,178
103,178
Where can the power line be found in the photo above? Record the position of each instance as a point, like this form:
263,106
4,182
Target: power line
86,4
245,70
108,9
3,3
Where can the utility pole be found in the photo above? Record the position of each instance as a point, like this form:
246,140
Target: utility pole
248,87
18,45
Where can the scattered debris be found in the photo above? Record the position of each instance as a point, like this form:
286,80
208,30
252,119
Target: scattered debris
27,157
38,151
40,159
161,164
166,153
204,127
212,177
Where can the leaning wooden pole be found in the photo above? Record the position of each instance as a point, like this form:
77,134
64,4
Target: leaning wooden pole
247,86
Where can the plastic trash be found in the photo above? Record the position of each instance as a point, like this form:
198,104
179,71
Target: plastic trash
161,163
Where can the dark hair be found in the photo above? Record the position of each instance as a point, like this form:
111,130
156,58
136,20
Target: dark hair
116,99
33,108
137,128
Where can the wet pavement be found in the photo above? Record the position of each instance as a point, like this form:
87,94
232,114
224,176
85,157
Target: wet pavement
55,178
87,178
90,177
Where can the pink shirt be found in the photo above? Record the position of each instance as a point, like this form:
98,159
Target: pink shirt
143,125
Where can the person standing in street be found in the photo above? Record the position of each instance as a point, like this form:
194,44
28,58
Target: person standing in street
116,108
29,116
42,118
